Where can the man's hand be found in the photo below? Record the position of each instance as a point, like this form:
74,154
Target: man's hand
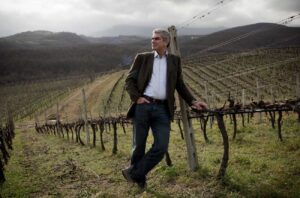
199,105
142,100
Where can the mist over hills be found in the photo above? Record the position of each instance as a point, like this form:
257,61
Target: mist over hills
251,36
37,55
115,35
115,40
145,31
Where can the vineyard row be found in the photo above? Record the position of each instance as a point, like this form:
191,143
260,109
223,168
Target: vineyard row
72,131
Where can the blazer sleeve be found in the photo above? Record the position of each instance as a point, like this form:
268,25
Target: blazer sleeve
181,87
132,78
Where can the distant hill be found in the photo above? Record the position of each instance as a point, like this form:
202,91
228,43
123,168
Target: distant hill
244,38
237,39
27,64
46,39
43,54
122,39
43,39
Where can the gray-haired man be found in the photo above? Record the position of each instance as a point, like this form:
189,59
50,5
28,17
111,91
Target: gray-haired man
151,83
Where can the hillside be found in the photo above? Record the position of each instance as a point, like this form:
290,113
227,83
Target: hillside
264,74
244,38
19,65
36,39
119,40
47,164
50,165
32,56
41,54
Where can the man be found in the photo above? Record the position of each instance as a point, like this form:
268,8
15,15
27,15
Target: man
151,83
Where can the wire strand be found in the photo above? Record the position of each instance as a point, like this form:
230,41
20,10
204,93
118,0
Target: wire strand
204,13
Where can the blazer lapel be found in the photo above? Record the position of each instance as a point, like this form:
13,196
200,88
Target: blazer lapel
169,66
169,73
148,72
150,65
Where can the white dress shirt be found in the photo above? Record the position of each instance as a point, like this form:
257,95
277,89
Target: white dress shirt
157,87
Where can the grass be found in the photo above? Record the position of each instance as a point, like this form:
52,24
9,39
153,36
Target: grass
259,165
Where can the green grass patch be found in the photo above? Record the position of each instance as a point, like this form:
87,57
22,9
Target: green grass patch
260,165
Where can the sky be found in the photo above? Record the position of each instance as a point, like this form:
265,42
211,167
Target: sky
93,17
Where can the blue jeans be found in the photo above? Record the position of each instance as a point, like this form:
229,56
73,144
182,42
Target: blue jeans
156,117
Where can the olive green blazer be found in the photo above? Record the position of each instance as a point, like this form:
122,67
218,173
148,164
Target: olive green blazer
139,76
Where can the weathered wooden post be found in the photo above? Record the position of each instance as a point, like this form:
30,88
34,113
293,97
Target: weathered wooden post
258,97
208,102
187,125
257,90
206,92
86,128
243,97
272,95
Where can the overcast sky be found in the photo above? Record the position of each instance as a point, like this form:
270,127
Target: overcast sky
91,17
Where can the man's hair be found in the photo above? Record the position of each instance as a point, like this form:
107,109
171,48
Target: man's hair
165,35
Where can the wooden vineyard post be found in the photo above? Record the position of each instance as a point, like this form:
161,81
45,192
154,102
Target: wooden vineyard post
258,98
243,97
272,95
206,92
207,102
257,90
85,119
187,125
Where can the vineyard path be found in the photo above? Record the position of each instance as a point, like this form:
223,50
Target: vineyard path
70,107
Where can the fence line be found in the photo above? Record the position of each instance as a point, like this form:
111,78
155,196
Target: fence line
72,130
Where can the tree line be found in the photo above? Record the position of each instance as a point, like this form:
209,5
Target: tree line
19,65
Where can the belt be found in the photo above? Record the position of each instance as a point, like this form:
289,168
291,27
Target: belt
155,101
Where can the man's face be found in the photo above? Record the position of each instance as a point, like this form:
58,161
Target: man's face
157,43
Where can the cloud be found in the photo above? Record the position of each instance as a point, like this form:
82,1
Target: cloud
90,16
286,5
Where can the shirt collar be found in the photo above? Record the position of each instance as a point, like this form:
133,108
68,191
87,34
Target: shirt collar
156,55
